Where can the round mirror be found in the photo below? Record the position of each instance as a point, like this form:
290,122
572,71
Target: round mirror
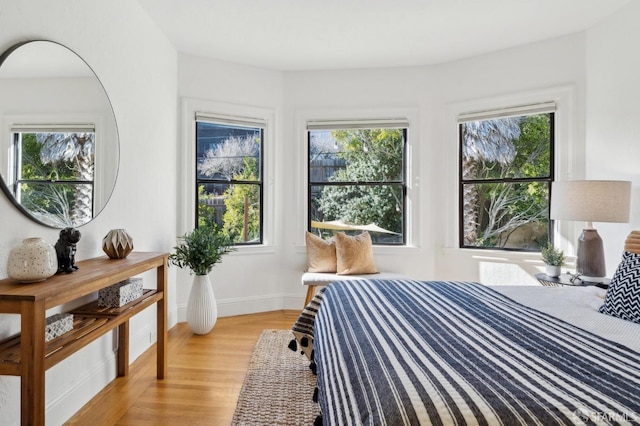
59,148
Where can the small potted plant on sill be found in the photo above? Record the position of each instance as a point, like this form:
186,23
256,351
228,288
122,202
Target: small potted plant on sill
200,250
554,259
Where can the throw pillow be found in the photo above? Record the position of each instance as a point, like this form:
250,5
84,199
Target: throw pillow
623,297
355,254
321,254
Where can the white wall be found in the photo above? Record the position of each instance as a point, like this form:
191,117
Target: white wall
138,68
613,139
353,94
545,71
250,279
432,97
555,70
142,74
552,70
37,100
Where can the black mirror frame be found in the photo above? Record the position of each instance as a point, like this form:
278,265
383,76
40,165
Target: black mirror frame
3,184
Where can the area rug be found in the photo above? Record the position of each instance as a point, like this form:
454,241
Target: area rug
278,387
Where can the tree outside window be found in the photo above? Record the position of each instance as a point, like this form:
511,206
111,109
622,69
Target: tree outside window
357,178
229,179
506,169
54,176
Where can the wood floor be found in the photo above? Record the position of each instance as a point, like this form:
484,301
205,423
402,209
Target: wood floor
203,381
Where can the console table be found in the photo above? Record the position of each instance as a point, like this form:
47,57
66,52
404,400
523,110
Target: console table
28,356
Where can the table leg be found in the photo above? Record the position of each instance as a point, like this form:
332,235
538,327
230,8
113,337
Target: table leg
123,349
161,323
311,291
32,387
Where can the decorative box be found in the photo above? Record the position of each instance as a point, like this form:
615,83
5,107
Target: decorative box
56,325
121,293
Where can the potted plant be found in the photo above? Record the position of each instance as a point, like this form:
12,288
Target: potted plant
200,250
554,260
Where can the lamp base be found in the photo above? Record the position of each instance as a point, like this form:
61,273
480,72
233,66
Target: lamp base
590,265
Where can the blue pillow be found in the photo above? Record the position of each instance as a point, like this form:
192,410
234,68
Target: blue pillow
623,296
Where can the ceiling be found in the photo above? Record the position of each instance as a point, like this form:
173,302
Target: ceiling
292,35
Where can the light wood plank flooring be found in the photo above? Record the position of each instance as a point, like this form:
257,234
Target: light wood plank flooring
203,382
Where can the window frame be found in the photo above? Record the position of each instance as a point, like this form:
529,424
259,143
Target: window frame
16,155
104,176
513,111
367,123
187,169
232,121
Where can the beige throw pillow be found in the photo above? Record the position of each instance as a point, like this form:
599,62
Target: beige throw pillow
321,254
355,254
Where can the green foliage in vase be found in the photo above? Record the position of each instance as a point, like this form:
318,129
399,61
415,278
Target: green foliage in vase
552,256
201,249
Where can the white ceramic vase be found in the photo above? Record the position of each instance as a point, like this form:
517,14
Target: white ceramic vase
553,271
32,261
202,311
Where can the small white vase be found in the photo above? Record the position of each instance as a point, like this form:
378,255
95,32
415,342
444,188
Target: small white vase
32,261
553,271
202,311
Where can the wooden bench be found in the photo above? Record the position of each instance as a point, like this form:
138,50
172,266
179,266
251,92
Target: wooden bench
318,279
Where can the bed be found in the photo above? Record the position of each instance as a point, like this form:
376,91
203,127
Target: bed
449,353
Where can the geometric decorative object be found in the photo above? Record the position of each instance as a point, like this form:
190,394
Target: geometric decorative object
202,310
120,294
623,297
591,201
32,261
56,325
117,244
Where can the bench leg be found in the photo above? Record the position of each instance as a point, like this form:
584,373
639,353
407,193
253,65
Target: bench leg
311,291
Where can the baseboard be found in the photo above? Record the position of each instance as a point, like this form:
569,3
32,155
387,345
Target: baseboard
251,305
69,402
66,404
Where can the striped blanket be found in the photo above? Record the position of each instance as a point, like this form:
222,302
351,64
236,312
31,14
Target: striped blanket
404,352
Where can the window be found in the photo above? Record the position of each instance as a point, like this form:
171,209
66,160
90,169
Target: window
53,172
229,181
357,178
506,169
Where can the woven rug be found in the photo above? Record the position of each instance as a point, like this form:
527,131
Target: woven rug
278,387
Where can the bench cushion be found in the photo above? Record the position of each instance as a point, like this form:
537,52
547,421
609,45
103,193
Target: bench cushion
323,278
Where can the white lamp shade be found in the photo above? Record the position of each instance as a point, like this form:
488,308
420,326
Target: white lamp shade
591,200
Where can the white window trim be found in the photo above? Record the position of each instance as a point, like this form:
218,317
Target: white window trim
303,117
187,189
569,156
100,193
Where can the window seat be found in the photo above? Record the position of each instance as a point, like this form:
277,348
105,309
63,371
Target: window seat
315,279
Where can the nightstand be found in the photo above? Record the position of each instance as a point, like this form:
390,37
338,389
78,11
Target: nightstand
565,280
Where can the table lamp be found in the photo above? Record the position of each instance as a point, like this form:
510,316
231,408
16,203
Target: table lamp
591,201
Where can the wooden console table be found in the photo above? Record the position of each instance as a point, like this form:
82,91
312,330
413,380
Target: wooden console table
28,356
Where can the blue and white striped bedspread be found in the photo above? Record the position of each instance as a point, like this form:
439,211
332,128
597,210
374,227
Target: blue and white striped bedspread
407,352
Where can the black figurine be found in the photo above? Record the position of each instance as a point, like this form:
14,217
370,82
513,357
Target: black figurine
66,250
